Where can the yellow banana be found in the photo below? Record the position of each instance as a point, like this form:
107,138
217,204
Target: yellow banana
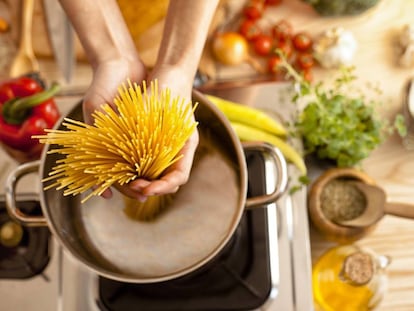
248,133
248,115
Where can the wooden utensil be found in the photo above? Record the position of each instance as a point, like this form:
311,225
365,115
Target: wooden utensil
377,207
328,228
25,61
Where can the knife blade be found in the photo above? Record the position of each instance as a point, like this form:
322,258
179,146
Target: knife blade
61,37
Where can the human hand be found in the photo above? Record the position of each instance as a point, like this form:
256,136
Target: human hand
104,87
107,77
177,174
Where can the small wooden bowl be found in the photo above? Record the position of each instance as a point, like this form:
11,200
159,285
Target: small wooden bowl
329,229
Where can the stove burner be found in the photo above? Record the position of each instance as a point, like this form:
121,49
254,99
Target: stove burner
237,279
31,255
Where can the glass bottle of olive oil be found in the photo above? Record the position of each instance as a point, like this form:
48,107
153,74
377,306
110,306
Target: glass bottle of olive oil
349,278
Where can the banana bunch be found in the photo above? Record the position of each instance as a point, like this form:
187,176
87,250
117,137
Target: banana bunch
251,124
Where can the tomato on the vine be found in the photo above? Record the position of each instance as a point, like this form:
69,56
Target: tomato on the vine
253,9
268,43
263,45
273,64
302,41
250,29
285,47
305,60
282,30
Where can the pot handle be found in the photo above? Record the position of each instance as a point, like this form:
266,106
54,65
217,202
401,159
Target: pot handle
274,155
11,184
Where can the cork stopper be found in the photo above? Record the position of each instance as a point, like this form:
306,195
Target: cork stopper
358,268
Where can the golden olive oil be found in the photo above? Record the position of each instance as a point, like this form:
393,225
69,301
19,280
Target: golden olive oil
332,288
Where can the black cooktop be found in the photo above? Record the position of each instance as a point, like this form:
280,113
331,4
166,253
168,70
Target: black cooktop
238,278
31,255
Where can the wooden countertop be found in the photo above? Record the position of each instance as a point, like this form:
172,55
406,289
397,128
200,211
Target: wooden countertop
391,165
376,32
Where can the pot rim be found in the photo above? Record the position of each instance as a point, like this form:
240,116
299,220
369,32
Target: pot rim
69,234
120,276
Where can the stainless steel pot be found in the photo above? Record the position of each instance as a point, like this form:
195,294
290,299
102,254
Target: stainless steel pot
203,217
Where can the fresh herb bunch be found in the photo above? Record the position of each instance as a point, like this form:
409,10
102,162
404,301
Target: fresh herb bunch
339,123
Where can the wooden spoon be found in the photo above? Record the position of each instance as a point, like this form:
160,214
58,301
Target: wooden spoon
25,61
377,207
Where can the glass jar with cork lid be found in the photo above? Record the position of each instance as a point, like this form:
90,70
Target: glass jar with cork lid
349,278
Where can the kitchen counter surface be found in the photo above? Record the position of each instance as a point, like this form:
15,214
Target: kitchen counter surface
391,165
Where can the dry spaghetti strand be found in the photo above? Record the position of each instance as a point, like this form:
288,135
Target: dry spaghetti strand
139,138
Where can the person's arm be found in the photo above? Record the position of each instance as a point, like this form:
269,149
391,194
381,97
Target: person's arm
185,33
111,51
101,30
109,48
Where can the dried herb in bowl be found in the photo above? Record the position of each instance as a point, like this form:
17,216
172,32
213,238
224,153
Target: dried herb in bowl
341,200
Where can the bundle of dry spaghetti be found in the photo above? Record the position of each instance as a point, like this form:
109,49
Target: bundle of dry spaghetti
147,210
139,138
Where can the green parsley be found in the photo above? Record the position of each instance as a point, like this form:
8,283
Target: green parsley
339,123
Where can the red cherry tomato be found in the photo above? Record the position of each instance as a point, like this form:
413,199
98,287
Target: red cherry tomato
305,60
273,2
263,45
273,64
302,41
253,9
282,30
250,29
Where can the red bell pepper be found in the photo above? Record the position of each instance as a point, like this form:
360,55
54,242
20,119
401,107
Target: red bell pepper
26,109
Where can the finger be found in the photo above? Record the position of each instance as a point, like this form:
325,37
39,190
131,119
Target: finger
91,104
139,184
132,193
107,194
177,175
170,182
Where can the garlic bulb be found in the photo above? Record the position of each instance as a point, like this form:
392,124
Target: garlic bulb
336,47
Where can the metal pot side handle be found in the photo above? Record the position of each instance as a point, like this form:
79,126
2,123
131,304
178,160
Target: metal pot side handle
10,194
279,161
